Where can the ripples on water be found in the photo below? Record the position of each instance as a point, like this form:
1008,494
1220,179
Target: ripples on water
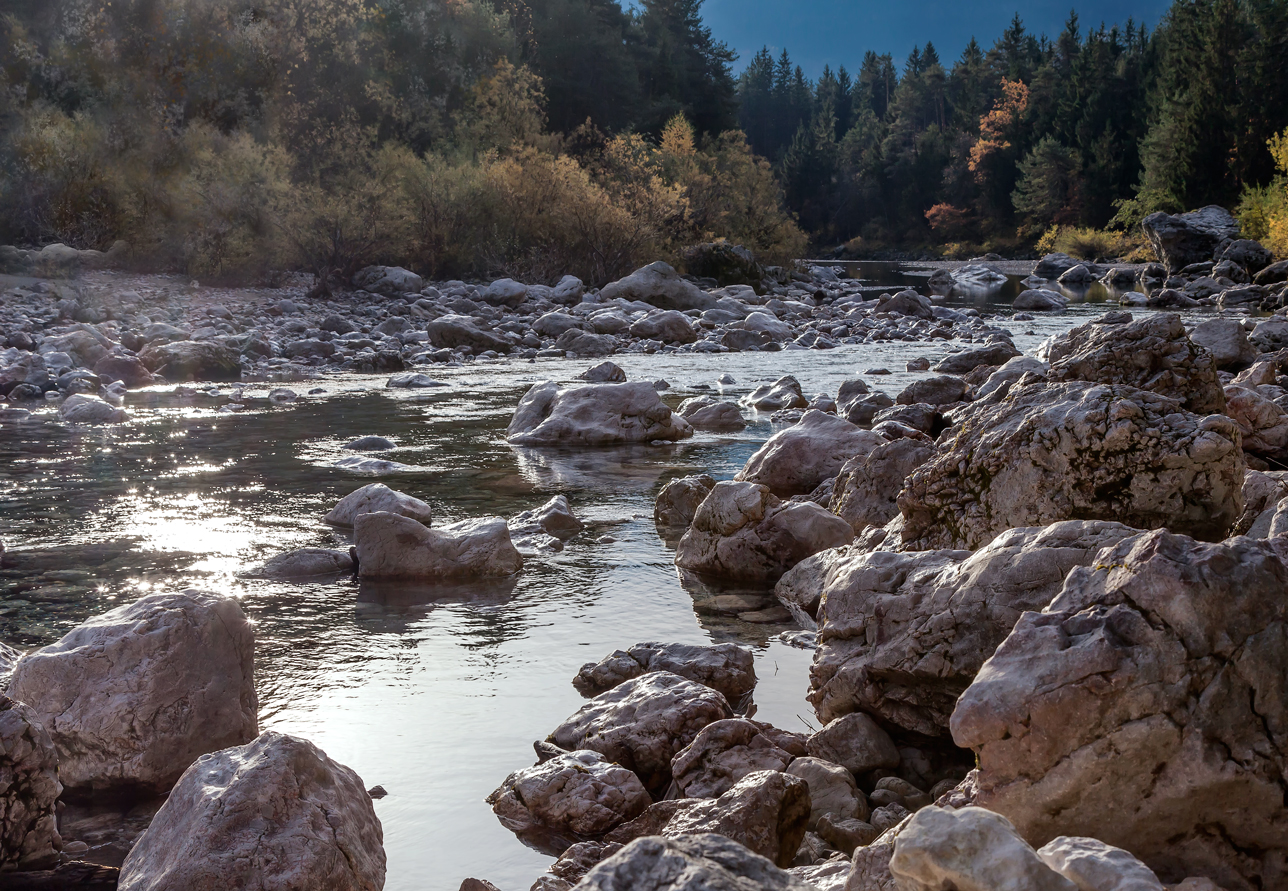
435,696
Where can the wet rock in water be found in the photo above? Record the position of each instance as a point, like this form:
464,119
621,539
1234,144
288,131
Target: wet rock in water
604,373
578,793
706,413
1092,864
707,862
866,487
642,723
275,813
743,531
188,360
906,303
581,343
1226,341
726,751
413,381
1181,239
679,500
1185,643
592,415
81,408
127,369
29,790
391,281
782,393
304,563
940,390
766,811
370,444
1153,353
968,848
392,546
455,331
1053,452
1040,300
968,360
133,696
372,466
668,327
855,742
554,518
376,498
660,285
901,635
726,668
796,460
832,790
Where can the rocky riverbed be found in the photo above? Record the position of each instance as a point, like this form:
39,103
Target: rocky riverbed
793,586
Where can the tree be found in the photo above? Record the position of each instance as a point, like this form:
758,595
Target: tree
1048,190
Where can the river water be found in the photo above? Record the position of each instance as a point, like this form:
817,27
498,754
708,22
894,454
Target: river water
434,695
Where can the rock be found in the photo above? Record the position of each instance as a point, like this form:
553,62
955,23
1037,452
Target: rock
642,723
725,751
304,563
668,327
1095,866
376,498
832,790
906,303
370,444
1077,277
81,408
739,340
29,790
968,360
554,518
690,863
1245,297
393,546
578,793
796,460
768,325
728,264
706,413
1272,274
971,849
1181,239
127,369
660,285
604,373
766,811
569,290
189,360
679,499
863,410
940,390
902,635
783,393
1143,700
337,324
1270,335
1226,341
275,813
412,381
1262,423
392,281
455,331
593,415
1053,452
1153,353
1000,381
504,292
855,742
1052,266
1040,300
726,668
743,531
866,487
133,696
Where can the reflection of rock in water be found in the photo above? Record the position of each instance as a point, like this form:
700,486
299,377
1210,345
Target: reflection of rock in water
736,610
393,606
634,468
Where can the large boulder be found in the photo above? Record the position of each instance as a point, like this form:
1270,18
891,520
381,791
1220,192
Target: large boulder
455,331
129,370
766,810
592,415
584,343
1153,353
707,862
856,742
1075,450
504,292
642,723
707,413
1244,252
679,501
743,531
902,635
392,281
275,813
1040,300
375,498
660,285
1181,239
1145,706
82,408
968,360
782,393
1262,423
832,790
794,461
726,667
1226,341
942,389
728,264
668,327
391,546
578,794
132,697
1092,864
866,487
725,751
29,790
192,360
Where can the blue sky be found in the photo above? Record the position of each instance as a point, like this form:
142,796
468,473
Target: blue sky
838,32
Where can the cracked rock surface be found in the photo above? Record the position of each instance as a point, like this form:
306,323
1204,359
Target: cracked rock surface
579,793
706,862
724,752
796,460
726,667
29,790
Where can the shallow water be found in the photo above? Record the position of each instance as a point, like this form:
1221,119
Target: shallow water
434,695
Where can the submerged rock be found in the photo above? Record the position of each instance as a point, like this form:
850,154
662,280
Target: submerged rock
304,563
592,415
391,546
